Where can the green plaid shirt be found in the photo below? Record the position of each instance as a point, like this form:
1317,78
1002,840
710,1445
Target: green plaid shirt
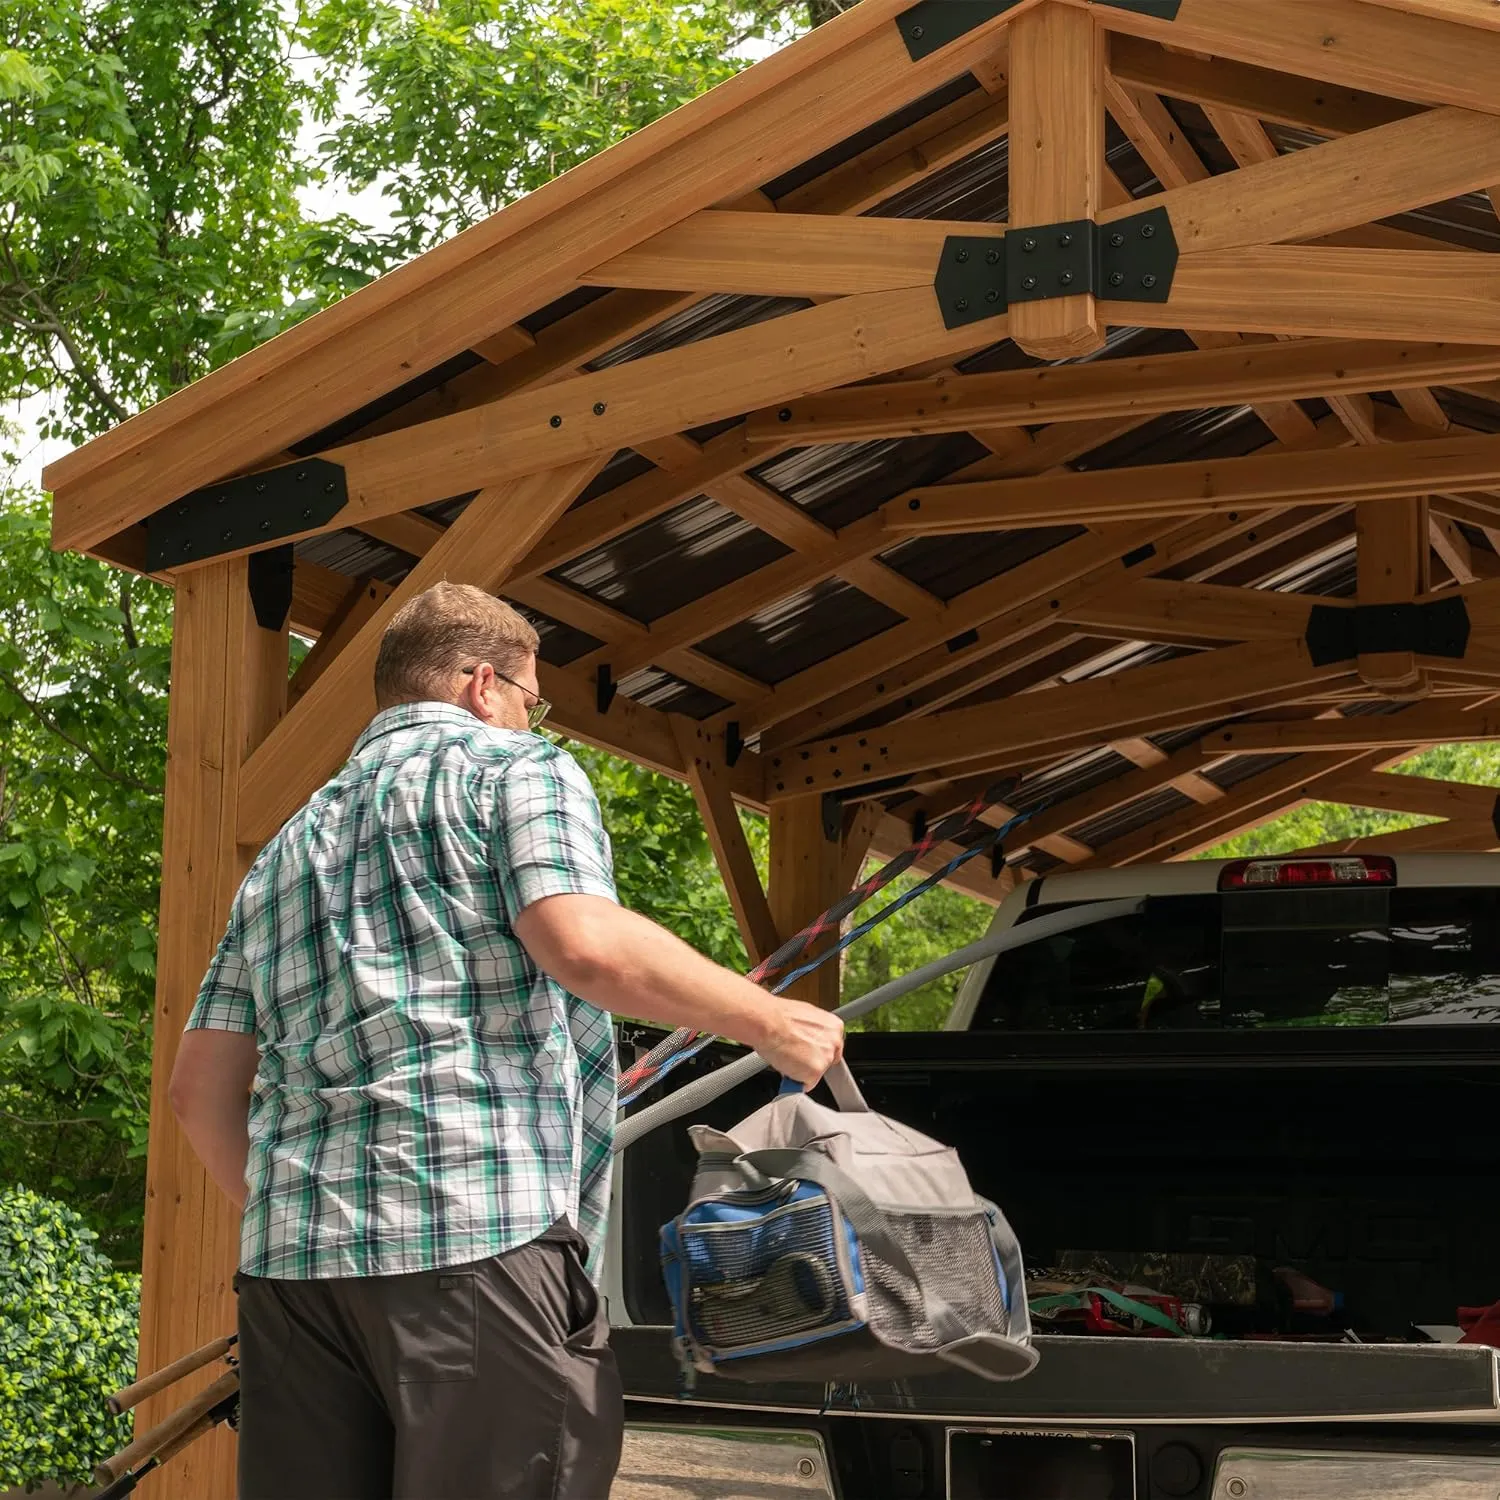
426,1096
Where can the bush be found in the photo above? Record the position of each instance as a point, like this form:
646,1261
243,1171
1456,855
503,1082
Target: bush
68,1325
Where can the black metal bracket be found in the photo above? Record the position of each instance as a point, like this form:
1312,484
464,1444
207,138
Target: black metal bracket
1495,815
933,24
997,858
1438,628
734,746
605,687
247,512
271,586
832,807
1130,260
918,826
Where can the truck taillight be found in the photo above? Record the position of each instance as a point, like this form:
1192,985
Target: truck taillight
1271,874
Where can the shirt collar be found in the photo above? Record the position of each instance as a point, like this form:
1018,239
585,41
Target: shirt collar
408,715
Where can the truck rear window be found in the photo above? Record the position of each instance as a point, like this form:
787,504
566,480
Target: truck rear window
1237,959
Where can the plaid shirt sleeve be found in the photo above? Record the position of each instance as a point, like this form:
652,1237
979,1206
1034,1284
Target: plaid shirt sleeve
225,1001
549,838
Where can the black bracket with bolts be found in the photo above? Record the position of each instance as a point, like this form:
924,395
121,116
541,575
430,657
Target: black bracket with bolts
734,746
251,511
270,584
933,24
1130,260
1437,628
832,807
605,687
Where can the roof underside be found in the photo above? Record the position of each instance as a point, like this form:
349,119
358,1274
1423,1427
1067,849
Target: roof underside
597,604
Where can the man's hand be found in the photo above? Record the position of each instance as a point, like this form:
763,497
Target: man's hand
623,962
801,1041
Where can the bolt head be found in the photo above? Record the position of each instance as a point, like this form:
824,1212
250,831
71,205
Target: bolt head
1117,278
1117,240
329,487
1066,279
1028,244
260,488
992,257
1030,283
1147,231
992,295
599,408
784,415
301,475
961,256
1065,240
962,305
1148,281
265,525
913,505
307,514
556,421
226,536
917,33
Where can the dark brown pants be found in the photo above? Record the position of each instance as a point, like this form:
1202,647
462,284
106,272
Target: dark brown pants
486,1380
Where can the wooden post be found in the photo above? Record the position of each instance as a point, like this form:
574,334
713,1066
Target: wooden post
228,688
1392,559
806,867
1056,159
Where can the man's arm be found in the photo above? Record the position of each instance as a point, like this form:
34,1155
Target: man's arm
621,961
210,1095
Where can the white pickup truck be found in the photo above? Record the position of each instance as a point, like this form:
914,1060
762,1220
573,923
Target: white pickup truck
1275,1080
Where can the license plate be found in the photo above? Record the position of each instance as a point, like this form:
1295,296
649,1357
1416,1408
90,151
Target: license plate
1019,1463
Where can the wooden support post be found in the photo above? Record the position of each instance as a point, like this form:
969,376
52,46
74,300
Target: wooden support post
1056,159
1392,561
703,765
805,870
229,680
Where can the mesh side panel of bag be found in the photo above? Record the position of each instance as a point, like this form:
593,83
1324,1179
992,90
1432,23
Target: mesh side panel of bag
954,1256
766,1278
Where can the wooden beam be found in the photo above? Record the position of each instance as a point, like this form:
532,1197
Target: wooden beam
1346,42
317,594
1452,547
1423,796
835,81
1391,552
1154,609
892,836
1424,724
227,684
806,867
480,547
786,255
1056,161
1341,184
1392,471
1482,13
1149,125
364,598
1374,294
1446,837
1120,387
661,394
1260,93
1143,699
703,765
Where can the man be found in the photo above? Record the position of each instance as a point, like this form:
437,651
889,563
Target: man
401,1068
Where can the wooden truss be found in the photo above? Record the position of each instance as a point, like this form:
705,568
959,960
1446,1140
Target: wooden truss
1168,588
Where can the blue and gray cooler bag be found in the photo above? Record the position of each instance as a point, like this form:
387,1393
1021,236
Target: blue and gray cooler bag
835,1244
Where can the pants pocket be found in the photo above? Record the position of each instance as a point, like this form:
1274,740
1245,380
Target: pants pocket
435,1327
583,1301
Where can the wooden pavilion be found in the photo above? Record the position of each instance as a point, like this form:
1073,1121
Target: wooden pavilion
1106,393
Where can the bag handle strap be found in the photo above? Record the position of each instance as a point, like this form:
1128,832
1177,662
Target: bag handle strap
859,1208
841,1085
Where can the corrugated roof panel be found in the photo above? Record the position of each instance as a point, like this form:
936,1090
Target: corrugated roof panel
658,689
1121,821
1177,437
793,634
948,565
681,556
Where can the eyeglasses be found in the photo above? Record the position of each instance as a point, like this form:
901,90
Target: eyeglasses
535,712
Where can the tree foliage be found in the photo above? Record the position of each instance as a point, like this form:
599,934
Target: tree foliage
67,1339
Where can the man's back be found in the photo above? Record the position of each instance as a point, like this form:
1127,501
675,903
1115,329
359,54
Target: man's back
425,1093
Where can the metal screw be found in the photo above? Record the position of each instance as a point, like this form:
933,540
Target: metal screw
301,475
1117,240
598,408
557,421
1066,279
265,525
1148,282
992,295
1147,230
221,499
992,257
961,256
1065,240
1117,278
260,488
329,488
962,305
1236,1487
1028,244
226,536
182,510
916,33
784,415
187,546
1030,283
307,514
914,505
806,1467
